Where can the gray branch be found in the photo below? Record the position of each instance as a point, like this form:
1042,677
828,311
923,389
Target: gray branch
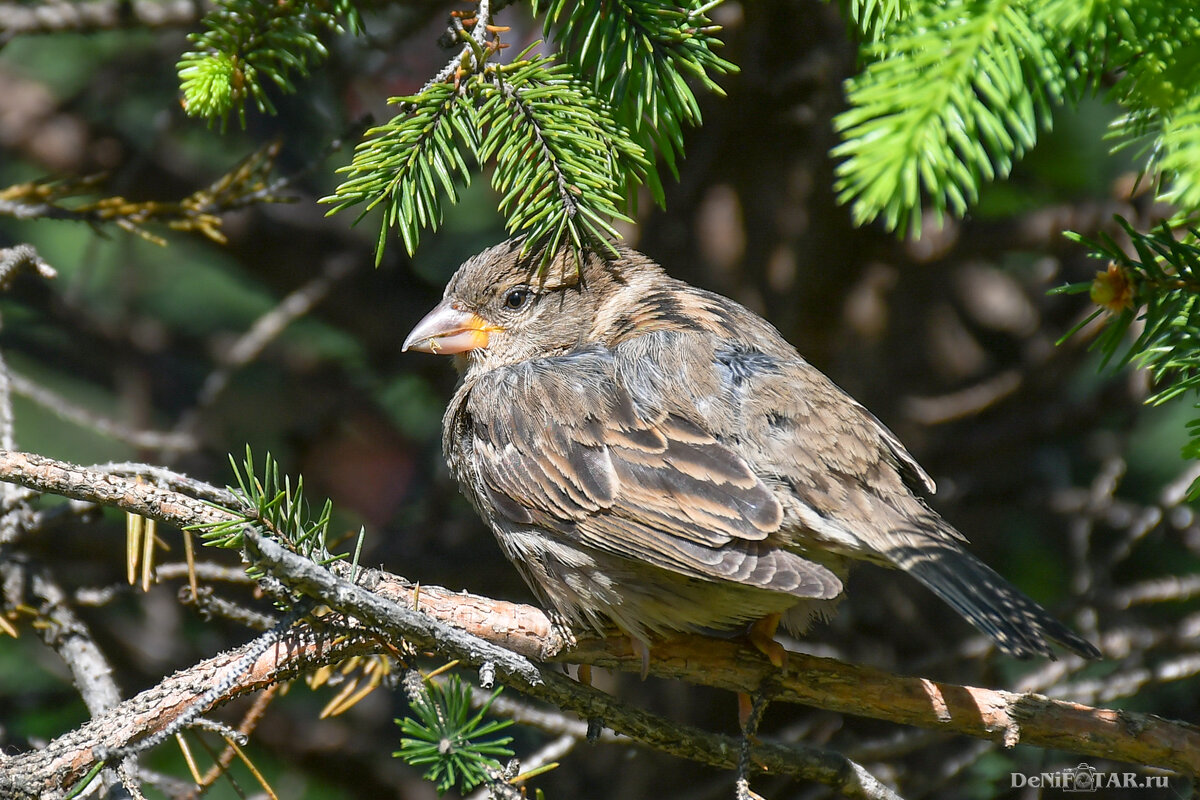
96,15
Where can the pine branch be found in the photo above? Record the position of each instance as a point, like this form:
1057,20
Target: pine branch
1153,46
410,165
245,184
445,735
569,151
272,504
1179,156
563,165
250,43
637,55
872,18
955,93
1159,287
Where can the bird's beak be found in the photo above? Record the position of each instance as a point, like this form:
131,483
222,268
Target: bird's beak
447,330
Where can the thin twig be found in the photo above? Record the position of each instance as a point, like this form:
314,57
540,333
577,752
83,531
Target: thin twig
166,442
266,329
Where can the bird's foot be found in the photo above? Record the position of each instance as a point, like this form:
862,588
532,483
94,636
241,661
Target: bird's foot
561,626
762,636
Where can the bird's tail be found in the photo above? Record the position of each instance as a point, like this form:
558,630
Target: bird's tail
1019,626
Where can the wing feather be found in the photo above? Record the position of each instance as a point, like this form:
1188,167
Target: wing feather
562,443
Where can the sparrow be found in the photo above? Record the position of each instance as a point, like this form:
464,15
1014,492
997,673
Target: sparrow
657,458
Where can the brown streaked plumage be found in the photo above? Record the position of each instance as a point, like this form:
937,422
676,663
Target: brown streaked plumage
657,457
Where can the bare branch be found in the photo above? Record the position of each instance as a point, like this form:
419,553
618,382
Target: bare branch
159,441
94,15
266,329
43,773
14,260
1006,717
64,632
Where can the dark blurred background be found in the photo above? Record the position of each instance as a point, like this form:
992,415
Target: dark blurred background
1049,466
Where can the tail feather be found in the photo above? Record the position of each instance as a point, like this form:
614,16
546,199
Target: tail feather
1019,626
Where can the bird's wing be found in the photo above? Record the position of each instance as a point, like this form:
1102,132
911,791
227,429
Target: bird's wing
568,444
851,482
850,478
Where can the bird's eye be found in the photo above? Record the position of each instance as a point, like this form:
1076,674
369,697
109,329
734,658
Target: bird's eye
516,298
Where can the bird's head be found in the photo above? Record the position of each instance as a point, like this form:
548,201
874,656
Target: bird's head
504,307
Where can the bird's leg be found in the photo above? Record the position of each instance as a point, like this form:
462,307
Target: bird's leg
640,648
750,713
745,709
762,636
